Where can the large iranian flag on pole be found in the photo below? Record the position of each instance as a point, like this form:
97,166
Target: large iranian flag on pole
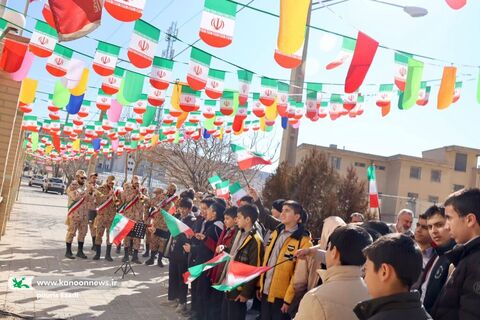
125,10
195,271
247,159
239,273
245,81
120,228
57,63
105,59
237,193
143,44
198,70
161,73
43,40
176,226
218,22
372,187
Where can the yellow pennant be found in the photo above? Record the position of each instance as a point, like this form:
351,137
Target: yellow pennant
293,20
82,84
28,90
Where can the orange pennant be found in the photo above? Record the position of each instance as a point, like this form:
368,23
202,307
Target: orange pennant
447,87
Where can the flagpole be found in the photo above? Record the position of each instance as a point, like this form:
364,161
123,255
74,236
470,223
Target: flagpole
27,5
244,177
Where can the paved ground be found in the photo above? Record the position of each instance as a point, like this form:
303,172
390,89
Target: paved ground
34,246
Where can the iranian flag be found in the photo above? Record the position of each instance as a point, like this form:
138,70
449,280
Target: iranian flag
195,271
384,96
29,123
239,273
189,98
198,69
156,97
161,73
57,63
314,99
140,107
237,192
222,190
350,100
143,44
289,61
120,228
348,46
111,84
282,99
218,22
258,108
43,40
457,91
125,10
215,83
423,94
247,159
268,91
245,81
103,100
105,59
214,180
176,226
372,187
401,70
226,103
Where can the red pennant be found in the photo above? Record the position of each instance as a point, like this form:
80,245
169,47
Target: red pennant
48,16
12,55
365,50
56,141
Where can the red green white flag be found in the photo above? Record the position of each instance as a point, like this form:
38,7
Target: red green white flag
247,159
57,63
111,84
143,44
214,180
239,273
282,99
105,59
423,94
237,193
120,228
103,101
195,271
401,69
384,96
245,81
218,23
222,190
198,69
372,188
125,10
457,91
161,73
43,40
156,97
189,99
176,226
346,53
268,91
215,83
289,61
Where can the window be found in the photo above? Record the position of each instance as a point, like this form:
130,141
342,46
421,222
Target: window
433,199
360,164
381,168
457,187
436,176
412,195
461,162
415,172
336,162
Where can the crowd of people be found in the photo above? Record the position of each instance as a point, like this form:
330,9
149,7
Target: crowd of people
356,270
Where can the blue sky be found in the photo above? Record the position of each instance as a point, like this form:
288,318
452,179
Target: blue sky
444,34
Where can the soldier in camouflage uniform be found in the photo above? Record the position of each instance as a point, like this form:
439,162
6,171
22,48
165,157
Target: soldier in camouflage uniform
77,219
92,207
158,230
106,199
133,210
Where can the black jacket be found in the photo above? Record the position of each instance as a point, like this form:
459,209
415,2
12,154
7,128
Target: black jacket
438,275
402,306
460,297
177,254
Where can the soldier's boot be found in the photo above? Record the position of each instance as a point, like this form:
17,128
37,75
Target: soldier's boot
108,256
68,253
93,243
98,249
135,257
160,262
80,253
147,251
151,261
126,258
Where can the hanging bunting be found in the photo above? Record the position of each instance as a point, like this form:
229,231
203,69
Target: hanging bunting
47,15
74,74
226,103
363,55
143,44
292,24
209,109
189,99
125,10
323,110
336,106
348,46
282,100
156,97
13,53
218,23
111,84
87,13
103,101
81,86
84,109
74,104
447,87
105,59
314,100
140,106
245,81
258,108
57,63
148,116
51,107
161,73
61,95
25,107
43,40
413,83
21,73
268,92
384,96
423,94
215,83
240,118
28,90
456,4
457,91
289,61
132,86
401,69
198,69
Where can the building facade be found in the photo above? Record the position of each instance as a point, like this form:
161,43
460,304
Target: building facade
405,181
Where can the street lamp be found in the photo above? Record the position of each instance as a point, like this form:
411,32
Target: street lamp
412,11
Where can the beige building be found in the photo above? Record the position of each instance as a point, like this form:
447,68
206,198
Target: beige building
409,182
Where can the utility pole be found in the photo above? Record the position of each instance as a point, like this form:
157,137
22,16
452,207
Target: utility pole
288,151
